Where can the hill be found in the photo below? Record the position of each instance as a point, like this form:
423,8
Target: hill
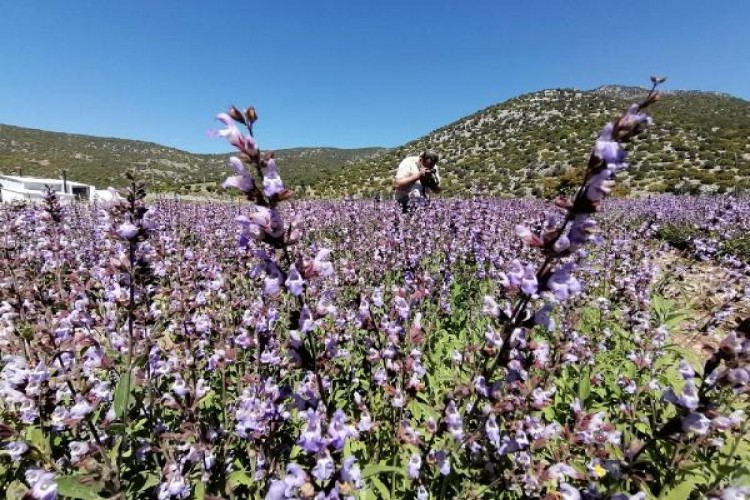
534,144
102,161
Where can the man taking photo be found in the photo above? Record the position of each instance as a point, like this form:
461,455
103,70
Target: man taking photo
415,178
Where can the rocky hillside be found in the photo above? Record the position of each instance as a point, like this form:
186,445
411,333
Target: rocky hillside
536,144
102,161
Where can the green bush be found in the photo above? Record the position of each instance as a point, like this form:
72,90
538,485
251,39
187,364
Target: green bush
678,234
739,246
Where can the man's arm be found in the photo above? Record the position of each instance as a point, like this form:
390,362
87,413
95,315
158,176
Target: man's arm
402,182
403,178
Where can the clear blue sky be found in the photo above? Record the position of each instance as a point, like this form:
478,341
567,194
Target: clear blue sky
341,74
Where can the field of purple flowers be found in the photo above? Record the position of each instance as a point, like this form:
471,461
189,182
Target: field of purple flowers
280,349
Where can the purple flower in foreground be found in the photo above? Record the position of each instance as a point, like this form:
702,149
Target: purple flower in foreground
562,470
625,496
732,493
16,450
493,431
179,386
339,430
350,472
321,264
233,135
688,398
398,399
365,421
324,467
43,484
294,282
402,307
443,462
581,231
311,439
272,183
515,273
607,149
490,307
261,223
739,376
176,486
562,284
568,492
493,338
696,423
78,450
277,490
600,185
287,488
273,279
686,370
79,410
543,317
127,231
529,284
413,467
454,421
634,120
242,179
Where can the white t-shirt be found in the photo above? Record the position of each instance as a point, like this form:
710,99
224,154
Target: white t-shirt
410,166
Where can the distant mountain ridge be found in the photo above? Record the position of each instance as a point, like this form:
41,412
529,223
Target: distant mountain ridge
533,144
102,161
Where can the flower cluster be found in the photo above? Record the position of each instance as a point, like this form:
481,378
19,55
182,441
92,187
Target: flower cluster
475,348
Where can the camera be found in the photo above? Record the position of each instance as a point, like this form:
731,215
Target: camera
429,180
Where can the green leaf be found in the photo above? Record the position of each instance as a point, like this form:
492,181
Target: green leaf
200,490
115,450
375,469
36,437
643,427
382,488
116,428
673,320
142,483
367,494
549,413
584,386
71,486
151,481
296,451
239,478
680,492
16,491
123,393
139,424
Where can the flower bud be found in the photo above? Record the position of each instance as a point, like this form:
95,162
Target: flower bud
251,115
236,115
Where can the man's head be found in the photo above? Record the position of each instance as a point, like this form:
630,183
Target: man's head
429,158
